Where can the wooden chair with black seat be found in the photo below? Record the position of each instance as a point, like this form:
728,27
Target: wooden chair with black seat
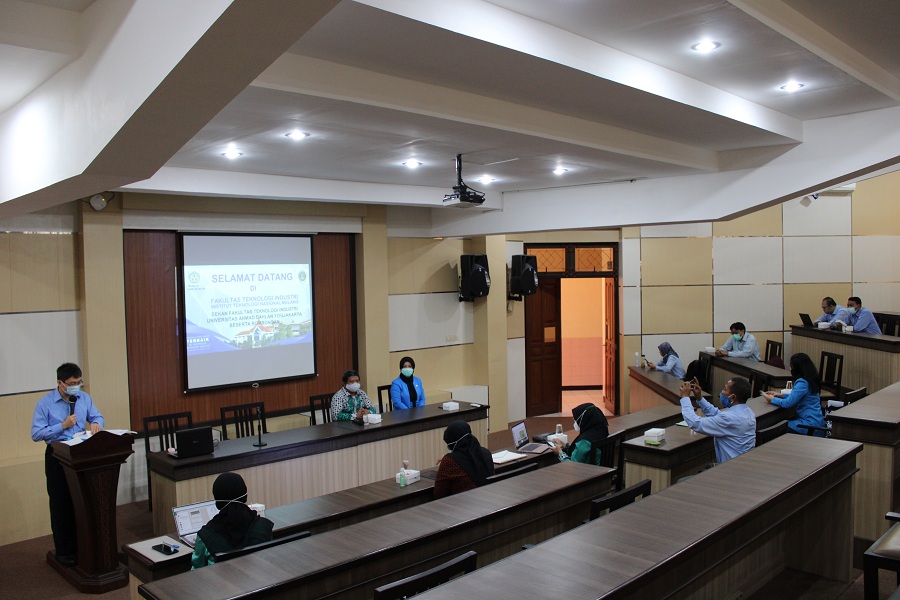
320,403
384,399
610,502
416,584
164,428
831,370
611,456
829,406
705,375
223,556
883,554
770,433
243,417
757,385
773,349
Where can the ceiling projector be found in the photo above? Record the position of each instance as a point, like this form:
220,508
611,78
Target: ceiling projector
462,194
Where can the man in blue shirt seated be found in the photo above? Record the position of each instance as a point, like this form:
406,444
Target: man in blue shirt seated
63,413
862,319
740,344
832,312
734,429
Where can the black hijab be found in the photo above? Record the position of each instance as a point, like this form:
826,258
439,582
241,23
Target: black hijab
468,453
593,425
413,396
235,517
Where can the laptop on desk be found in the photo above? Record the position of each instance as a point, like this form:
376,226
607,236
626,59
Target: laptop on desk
190,518
193,442
520,439
806,320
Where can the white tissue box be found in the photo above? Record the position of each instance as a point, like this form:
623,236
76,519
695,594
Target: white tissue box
412,476
786,392
824,325
450,406
372,418
558,436
259,508
655,435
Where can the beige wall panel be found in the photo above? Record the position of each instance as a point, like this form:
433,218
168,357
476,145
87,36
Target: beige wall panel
631,232
807,298
34,264
761,337
372,274
553,237
515,320
423,265
17,444
876,209
676,309
439,368
629,344
5,273
25,509
676,261
69,267
762,223
174,203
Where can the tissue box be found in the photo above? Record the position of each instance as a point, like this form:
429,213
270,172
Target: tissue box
655,435
259,508
372,418
558,436
450,405
824,325
412,476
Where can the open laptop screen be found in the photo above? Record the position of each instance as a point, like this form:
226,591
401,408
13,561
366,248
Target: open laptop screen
191,517
520,435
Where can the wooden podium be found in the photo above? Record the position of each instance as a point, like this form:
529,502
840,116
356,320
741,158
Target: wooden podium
92,471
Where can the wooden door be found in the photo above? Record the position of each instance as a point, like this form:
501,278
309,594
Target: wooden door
543,350
610,347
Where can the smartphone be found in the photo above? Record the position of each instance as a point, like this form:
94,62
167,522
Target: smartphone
167,549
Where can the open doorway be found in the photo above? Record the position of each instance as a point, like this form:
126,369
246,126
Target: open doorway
571,327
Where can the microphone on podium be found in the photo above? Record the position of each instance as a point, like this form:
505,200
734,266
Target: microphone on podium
259,443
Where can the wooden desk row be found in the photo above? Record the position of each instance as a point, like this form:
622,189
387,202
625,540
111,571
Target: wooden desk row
722,534
726,367
495,520
309,461
650,388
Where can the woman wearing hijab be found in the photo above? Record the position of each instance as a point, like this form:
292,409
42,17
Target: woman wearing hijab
466,467
669,363
407,390
235,526
592,428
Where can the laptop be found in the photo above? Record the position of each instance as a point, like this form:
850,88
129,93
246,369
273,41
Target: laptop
190,518
806,320
520,438
193,442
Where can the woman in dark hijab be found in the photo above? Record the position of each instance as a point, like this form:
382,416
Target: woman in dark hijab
466,467
235,526
407,390
592,428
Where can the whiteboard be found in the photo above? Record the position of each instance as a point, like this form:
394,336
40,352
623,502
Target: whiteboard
36,344
429,321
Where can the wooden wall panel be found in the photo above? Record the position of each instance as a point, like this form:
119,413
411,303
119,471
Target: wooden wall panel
155,372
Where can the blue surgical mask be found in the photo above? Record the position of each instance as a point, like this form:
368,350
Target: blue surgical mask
725,400
406,372
851,310
71,390
736,336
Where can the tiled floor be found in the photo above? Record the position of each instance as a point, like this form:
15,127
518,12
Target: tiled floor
572,398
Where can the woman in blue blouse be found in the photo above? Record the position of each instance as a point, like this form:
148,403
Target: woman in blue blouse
669,363
804,396
407,390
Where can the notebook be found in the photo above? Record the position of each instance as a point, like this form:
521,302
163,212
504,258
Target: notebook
520,438
193,442
806,320
191,517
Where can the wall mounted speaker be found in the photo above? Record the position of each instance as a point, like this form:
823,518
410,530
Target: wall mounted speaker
474,277
523,276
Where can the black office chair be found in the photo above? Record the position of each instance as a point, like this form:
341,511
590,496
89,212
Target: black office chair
610,502
831,370
384,391
773,348
243,417
320,402
705,375
223,556
165,428
883,554
511,473
426,580
770,433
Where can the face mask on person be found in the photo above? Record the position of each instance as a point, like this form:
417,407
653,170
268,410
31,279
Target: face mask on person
240,500
450,447
851,310
406,372
352,387
725,400
71,390
737,336
577,426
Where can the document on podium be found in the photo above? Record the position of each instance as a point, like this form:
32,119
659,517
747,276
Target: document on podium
505,456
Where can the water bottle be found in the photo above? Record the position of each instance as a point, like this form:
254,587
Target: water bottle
559,429
637,360
402,478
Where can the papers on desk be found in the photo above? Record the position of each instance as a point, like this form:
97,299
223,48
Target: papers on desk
505,456
84,435
682,423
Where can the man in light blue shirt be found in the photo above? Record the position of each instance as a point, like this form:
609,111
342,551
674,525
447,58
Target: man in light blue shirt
733,430
58,416
832,312
740,344
862,319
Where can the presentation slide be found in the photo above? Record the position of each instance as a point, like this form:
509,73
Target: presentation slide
247,307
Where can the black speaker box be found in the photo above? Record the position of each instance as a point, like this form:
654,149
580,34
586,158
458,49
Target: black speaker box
474,278
523,277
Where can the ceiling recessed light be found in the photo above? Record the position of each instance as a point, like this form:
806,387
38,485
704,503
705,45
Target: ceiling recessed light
485,179
560,171
412,164
297,135
232,153
791,86
705,46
